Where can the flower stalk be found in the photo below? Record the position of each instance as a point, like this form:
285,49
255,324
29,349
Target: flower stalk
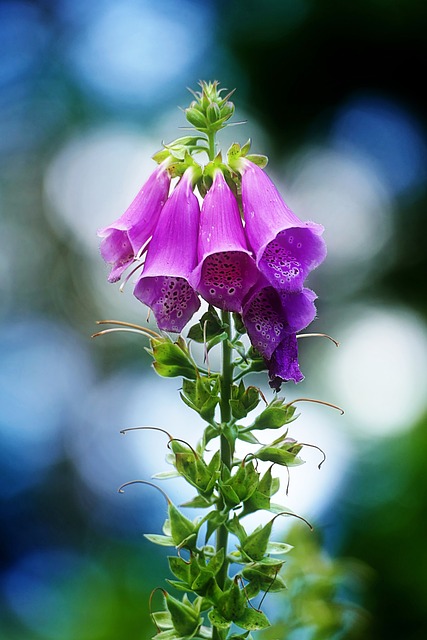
250,271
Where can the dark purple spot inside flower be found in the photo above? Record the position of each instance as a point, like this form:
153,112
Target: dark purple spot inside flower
288,259
172,300
226,277
265,321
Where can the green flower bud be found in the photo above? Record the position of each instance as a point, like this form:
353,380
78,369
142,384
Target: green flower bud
183,530
197,119
172,359
232,603
186,620
255,545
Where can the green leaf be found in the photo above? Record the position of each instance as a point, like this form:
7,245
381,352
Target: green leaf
181,586
179,568
166,475
198,502
214,520
163,541
278,548
247,437
163,619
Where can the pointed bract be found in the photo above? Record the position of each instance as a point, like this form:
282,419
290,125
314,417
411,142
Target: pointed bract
286,248
171,257
226,269
124,238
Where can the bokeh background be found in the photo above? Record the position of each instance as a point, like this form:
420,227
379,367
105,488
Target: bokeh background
333,93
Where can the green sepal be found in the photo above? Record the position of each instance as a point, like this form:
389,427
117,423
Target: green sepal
193,469
179,567
255,545
278,548
198,502
165,475
209,329
260,499
237,529
283,454
230,431
253,620
214,519
185,617
232,603
196,118
209,434
162,619
201,395
183,530
172,359
238,323
247,436
243,400
240,486
240,636
275,415
180,586
218,620
163,541
258,159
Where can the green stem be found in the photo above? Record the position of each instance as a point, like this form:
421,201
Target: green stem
225,450
212,144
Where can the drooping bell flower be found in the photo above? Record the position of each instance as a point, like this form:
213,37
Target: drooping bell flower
270,314
123,239
226,269
286,248
283,364
171,257
272,318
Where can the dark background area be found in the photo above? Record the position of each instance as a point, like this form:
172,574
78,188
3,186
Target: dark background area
333,93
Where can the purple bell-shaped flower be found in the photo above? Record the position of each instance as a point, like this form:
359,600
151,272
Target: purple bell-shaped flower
272,318
171,257
123,239
226,269
286,249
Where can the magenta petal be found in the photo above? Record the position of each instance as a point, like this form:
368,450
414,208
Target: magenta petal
286,248
299,309
264,319
171,257
226,270
283,365
124,238
172,300
270,315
